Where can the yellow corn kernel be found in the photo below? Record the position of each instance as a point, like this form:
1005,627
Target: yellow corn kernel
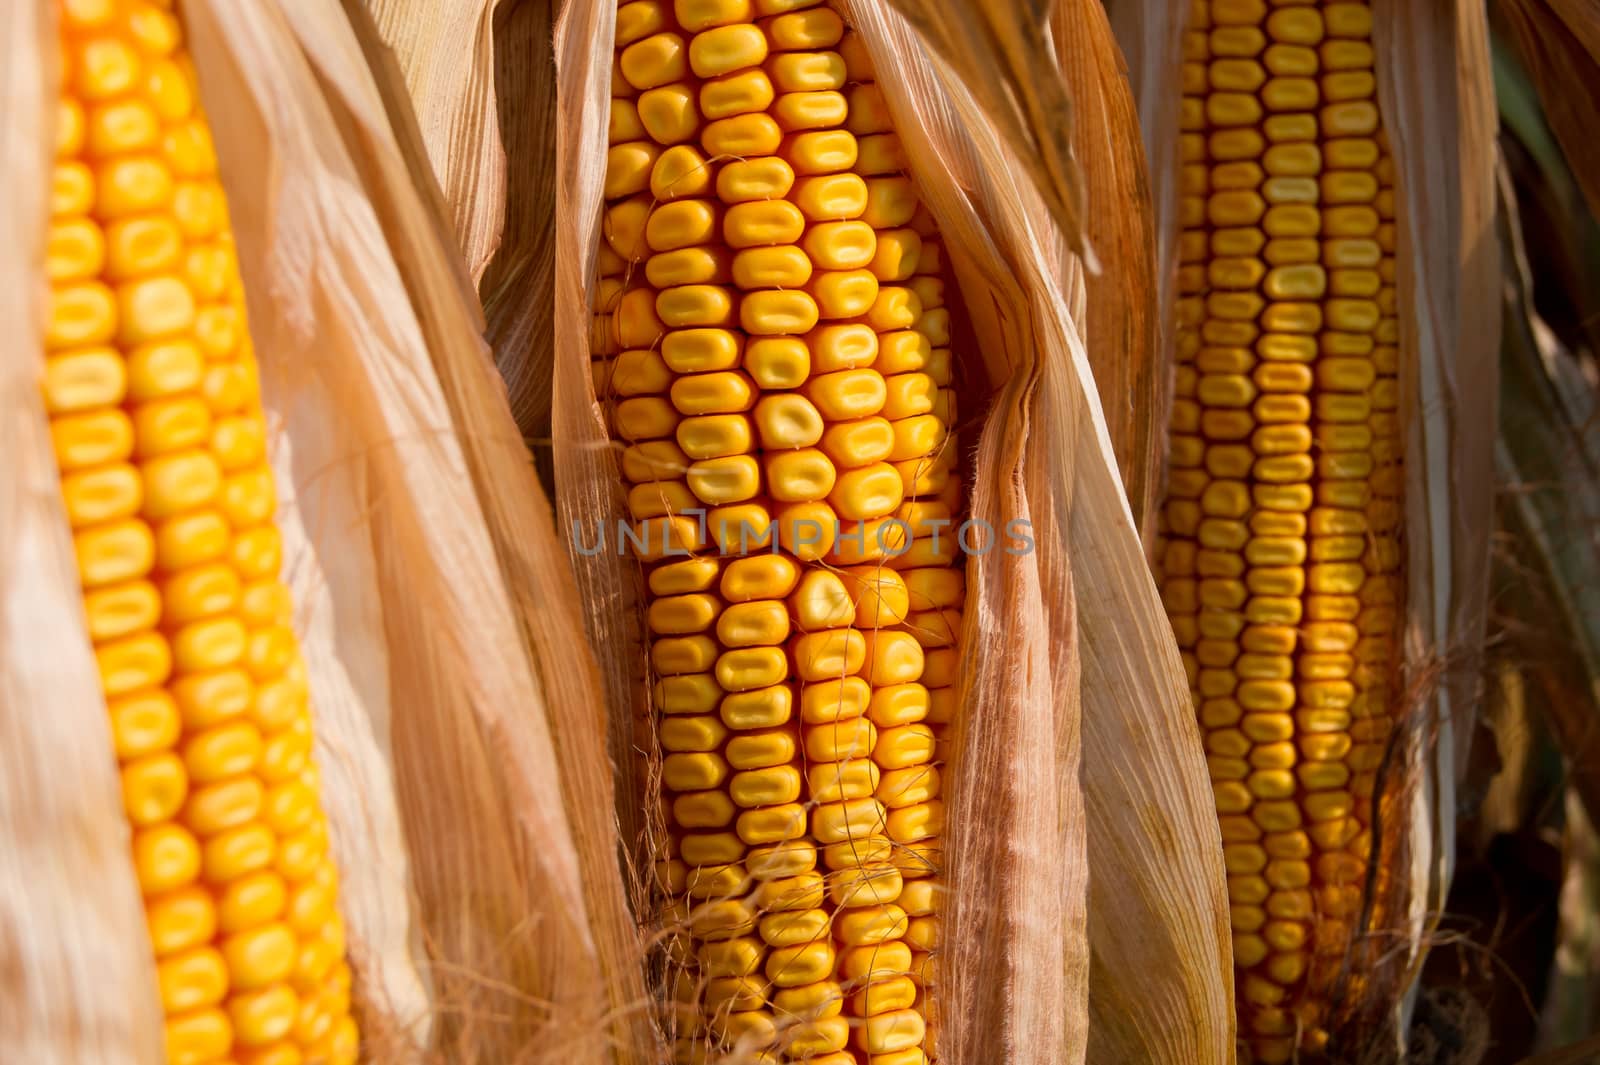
843,293
855,778
669,114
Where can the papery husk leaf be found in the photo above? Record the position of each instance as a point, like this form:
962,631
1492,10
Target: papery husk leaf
1151,39
350,286
1136,762
532,557
1001,50
1559,41
1436,95
1123,314
444,51
1547,457
356,761
393,1005
1084,754
588,478
519,287
79,977
497,171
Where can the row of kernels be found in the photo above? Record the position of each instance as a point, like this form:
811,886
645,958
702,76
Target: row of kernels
934,595
250,824
869,896
848,778
1376,653
651,53
1377,552
287,810
1187,448
1233,200
829,414
809,532
1352,462
685,310
705,865
869,494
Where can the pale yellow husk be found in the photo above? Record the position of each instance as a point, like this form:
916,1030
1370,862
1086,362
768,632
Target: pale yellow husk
444,50
529,552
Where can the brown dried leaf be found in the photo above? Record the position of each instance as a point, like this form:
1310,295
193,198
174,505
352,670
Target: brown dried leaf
1559,41
1437,99
518,288
588,497
1151,40
1001,50
1121,325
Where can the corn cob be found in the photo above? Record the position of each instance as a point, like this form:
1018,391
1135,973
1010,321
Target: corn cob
771,329
151,389
1281,555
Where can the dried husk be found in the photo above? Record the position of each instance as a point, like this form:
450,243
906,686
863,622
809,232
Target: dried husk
1121,322
1151,40
1077,803
588,479
1436,94
1559,41
531,556
71,920
518,289
1001,51
1547,456
1436,98
497,170
444,51
447,625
